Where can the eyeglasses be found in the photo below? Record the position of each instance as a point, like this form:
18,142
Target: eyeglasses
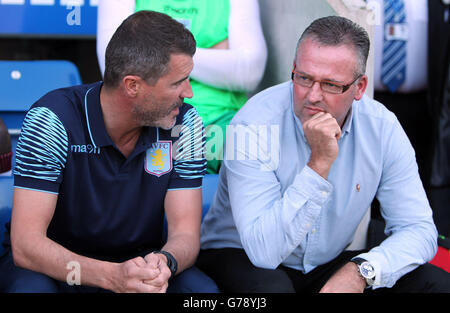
326,86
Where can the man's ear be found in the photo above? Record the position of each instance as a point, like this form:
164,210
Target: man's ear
361,87
131,85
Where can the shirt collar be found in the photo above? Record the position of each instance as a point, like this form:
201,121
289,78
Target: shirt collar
346,128
94,117
96,124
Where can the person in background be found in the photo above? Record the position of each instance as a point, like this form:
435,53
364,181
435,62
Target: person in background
99,165
400,73
5,148
411,50
229,62
286,211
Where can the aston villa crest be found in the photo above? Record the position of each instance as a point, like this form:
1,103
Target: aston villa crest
158,158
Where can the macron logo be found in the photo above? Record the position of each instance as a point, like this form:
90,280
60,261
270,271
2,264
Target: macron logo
85,149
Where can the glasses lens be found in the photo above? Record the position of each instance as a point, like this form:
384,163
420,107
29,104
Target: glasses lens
331,88
303,80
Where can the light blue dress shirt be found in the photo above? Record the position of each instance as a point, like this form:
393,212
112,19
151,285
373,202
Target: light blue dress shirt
270,203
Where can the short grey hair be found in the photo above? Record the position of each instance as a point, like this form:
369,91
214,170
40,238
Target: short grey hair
336,31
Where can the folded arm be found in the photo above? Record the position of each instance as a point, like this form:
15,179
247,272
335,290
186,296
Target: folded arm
183,213
242,65
272,224
33,250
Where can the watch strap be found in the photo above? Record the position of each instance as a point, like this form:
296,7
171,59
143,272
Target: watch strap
359,261
171,261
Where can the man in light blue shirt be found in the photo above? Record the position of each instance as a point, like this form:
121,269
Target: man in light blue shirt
304,160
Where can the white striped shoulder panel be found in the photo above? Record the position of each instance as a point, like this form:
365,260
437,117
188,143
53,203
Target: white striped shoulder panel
189,159
42,146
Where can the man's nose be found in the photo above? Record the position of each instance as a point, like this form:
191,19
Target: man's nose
187,90
315,93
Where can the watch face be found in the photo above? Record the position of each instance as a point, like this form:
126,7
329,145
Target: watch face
367,270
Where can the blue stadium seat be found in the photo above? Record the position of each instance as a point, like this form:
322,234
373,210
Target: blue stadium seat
22,83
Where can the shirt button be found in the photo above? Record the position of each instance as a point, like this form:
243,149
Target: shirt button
307,225
313,230
324,193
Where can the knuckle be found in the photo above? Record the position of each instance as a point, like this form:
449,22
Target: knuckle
160,280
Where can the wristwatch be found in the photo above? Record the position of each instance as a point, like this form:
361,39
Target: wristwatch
366,270
171,262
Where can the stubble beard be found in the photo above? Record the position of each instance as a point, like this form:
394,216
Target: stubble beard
156,118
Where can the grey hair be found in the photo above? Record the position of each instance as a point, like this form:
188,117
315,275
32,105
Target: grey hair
336,31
